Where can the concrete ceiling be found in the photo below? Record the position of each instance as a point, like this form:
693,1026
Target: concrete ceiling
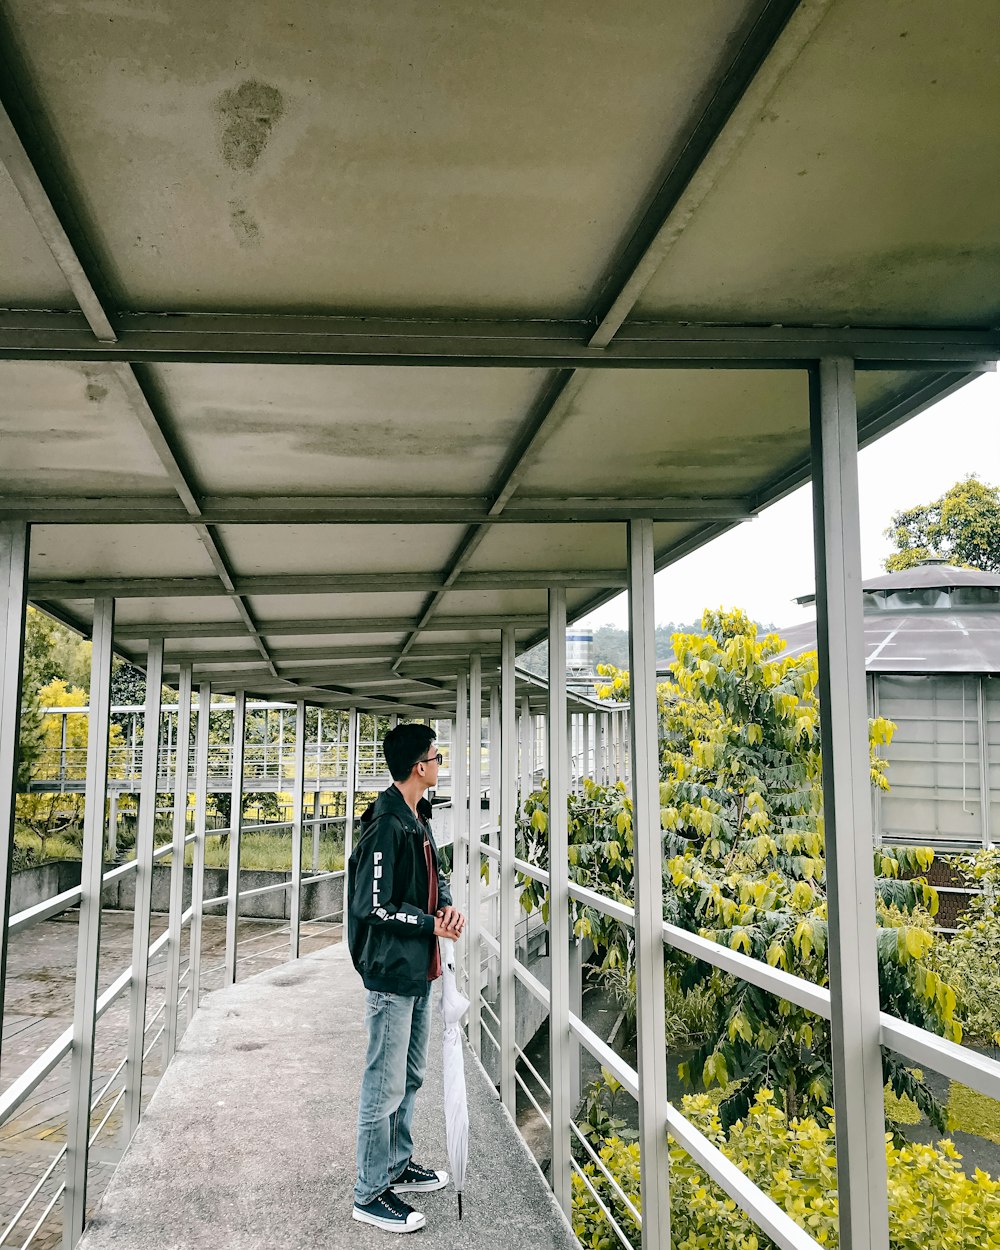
325,335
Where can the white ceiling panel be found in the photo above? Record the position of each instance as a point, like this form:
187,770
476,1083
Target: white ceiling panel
865,192
311,156
67,429
681,432
342,548
302,430
118,551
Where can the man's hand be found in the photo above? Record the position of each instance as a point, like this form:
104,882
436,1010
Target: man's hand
448,923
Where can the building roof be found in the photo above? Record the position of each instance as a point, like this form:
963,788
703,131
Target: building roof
932,619
326,332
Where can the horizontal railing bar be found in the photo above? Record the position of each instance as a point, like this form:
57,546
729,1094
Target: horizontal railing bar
129,866
752,1200
323,876
531,1098
157,946
108,1083
153,1019
582,1138
39,1185
28,1081
492,851
803,993
609,906
44,1216
957,1062
600,1202
529,870
159,1034
531,983
485,1029
109,1113
533,1070
485,1003
45,910
605,1056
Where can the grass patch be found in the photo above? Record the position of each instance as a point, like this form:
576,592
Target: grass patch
901,1110
972,1112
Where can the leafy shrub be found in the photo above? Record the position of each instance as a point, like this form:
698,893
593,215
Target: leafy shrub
933,1205
971,959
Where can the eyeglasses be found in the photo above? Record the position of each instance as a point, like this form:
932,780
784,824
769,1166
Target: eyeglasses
432,759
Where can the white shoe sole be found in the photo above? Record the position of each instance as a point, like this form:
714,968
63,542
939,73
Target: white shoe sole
422,1187
390,1226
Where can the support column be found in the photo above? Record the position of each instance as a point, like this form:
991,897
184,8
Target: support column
473,919
235,836
460,850
507,753
560,1045
648,888
89,939
298,809
984,763
144,842
200,822
113,825
14,544
174,928
854,987
602,748
349,794
315,830
494,830
524,738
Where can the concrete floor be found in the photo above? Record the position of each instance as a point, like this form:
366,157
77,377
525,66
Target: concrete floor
249,1140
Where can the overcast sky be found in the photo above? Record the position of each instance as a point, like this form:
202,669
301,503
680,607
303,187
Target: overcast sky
763,565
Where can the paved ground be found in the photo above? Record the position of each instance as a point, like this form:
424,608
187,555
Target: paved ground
39,1007
250,1136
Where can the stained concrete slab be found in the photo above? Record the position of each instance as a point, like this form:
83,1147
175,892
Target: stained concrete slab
249,1140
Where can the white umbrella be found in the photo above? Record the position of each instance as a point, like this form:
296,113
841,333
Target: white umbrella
454,1005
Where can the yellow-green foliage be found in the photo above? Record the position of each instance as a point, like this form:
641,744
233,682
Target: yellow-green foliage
933,1205
973,1112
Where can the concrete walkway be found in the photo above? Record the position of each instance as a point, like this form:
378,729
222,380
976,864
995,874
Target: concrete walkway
249,1141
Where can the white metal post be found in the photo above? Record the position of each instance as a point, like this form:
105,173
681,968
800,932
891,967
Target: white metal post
298,809
14,545
113,825
854,986
560,1041
235,836
349,795
459,767
174,928
524,739
144,842
200,823
474,918
89,939
315,830
508,818
602,748
984,763
585,769
654,1157
494,829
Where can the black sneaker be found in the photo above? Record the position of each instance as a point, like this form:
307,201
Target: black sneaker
389,1212
417,1180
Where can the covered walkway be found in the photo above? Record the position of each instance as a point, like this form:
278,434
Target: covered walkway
249,1141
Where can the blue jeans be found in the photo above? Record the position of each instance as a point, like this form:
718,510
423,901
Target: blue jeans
398,1032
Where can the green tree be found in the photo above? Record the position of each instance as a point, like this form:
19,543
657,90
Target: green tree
961,527
744,865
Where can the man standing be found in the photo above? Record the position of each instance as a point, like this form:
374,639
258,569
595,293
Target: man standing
399,905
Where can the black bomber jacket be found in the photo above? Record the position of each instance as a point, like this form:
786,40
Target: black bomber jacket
389,930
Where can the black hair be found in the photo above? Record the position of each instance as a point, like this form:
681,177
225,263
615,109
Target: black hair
403,747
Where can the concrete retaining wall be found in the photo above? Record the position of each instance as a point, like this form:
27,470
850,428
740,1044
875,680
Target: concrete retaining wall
35,885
